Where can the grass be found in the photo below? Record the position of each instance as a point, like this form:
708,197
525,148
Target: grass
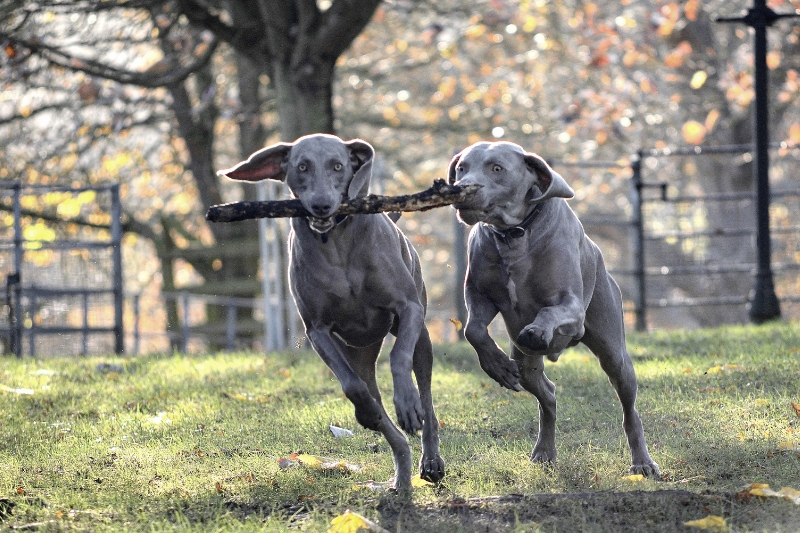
192,443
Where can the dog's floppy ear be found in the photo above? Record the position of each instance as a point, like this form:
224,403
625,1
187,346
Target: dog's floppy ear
265,164
361,156
451,170
550,184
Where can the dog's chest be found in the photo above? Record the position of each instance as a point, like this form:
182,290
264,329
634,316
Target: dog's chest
515,270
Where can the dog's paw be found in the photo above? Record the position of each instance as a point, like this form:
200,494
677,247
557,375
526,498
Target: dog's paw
650,470
544,455
535,338
503,370
408,407
368,413
431,468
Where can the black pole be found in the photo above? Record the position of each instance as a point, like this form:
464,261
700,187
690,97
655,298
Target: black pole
640,293
764,305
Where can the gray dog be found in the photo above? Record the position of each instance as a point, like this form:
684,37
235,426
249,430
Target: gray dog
355,279
530,261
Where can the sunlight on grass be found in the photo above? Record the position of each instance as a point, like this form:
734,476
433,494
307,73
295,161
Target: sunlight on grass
195,442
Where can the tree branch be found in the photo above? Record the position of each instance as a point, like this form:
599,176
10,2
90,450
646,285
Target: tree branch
438,195
95,68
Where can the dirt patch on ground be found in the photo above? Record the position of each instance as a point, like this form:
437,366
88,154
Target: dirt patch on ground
613,512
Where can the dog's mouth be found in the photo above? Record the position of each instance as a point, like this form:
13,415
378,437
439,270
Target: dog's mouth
321,225
471,214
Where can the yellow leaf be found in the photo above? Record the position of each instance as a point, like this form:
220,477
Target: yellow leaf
417,482
794,138
693,132
457,323
310,461
789,445
711,522
714,370
698,79
350,522
711,119
787,493
634,478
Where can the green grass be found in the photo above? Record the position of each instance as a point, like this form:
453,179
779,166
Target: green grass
192,443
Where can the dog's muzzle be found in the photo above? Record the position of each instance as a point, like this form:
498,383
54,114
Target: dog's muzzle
321,225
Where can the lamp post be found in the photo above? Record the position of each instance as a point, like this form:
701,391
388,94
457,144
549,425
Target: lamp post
764,305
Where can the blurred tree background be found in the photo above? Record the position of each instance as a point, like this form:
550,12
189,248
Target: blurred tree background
158,95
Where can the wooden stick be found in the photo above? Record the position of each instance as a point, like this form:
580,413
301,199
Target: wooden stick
438,195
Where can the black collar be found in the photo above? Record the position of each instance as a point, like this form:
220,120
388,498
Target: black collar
517,231
338,220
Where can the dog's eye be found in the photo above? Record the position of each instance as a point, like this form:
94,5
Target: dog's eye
302,167
460,168
497,168
337,167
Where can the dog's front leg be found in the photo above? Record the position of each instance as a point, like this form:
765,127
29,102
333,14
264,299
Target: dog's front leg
493,360
563,317
368,411
407,404
535,382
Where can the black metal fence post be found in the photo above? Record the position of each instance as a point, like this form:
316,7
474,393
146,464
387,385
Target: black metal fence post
640,285
18,310
764,305
119,296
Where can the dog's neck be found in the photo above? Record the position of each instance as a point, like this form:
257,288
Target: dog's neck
515,232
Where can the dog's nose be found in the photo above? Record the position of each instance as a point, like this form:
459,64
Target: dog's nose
321,209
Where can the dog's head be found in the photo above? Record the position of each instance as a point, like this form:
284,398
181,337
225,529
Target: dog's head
321,170
512,181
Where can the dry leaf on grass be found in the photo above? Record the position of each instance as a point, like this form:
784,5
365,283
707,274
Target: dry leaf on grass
796,408
634,478
340,433
378,486
315,462
787,493
711,523
16,391
350,522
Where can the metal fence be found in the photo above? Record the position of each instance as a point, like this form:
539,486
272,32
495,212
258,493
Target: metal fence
660,274
63,281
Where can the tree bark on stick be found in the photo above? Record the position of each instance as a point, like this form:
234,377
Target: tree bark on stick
438,195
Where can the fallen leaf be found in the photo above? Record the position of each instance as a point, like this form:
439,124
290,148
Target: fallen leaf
457,323
417,482
16,391
315,462
350,522
340,433
44,372
796,408
788,446
634,478
787,493
283,462
711,522
240,397
374,486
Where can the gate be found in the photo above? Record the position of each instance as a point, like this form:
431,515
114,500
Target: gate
61,258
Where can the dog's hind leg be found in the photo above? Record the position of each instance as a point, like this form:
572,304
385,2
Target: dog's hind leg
534,381
605,337
362,361
431,465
